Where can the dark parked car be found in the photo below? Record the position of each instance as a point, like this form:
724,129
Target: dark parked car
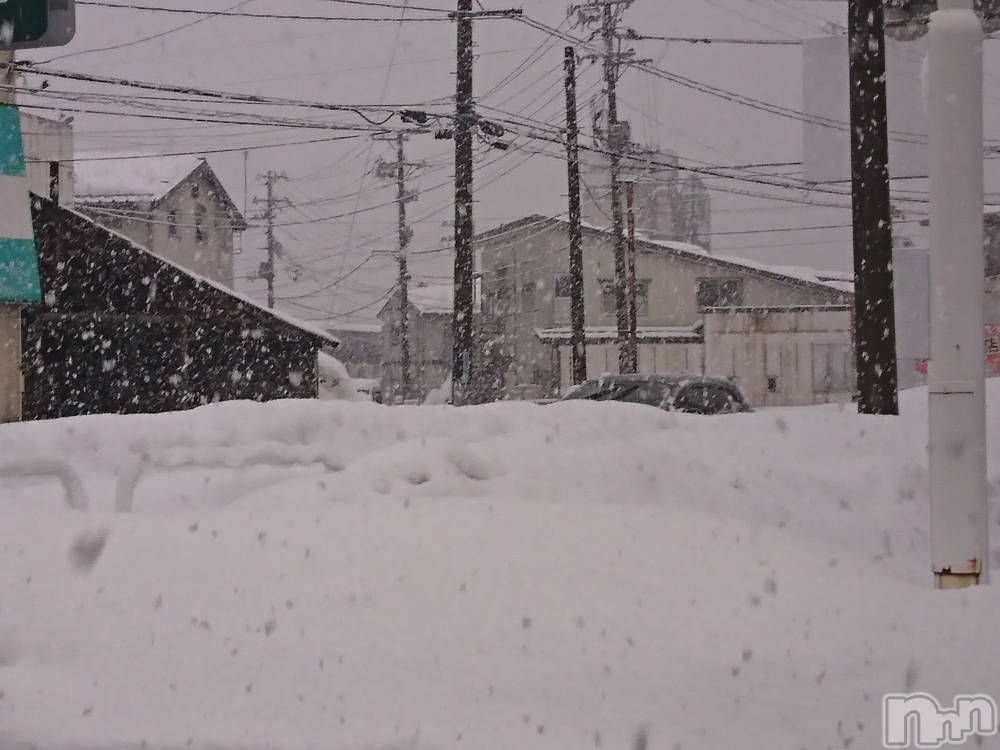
699,395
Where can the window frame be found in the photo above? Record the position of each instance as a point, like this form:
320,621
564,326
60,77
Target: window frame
200,217
720,298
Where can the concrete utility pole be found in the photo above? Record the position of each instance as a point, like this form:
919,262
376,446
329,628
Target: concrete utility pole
874,316
578,339
617,140
398,171
960,549
633,297
404,273
608,30
272,203
465,122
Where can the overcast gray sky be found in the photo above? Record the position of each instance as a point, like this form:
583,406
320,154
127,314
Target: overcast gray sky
353,62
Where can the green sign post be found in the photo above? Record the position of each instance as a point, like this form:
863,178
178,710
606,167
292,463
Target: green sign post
23,21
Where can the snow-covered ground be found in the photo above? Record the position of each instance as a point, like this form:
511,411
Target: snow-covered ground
344,575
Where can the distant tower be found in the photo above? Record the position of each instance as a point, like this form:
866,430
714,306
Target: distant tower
694,213
668,207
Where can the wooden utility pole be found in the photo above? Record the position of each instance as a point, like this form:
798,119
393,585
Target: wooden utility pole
874,313
578,340
465,122
633,310
614,139
271,205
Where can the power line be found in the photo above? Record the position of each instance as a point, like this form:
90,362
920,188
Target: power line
127,157
149,38
713,40
244,14
718,92
227,96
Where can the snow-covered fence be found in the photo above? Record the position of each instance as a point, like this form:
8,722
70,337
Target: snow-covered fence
236,457
42,468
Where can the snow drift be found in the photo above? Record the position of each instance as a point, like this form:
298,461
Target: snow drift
317,575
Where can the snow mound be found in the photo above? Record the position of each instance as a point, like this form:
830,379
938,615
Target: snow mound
299,575
335,382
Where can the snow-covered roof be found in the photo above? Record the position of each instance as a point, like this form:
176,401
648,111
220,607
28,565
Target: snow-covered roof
828,280
604,334
274,313
125,176
336,328
433,299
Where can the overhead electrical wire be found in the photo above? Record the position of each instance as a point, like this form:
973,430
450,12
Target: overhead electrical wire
151,37
203,152
268,16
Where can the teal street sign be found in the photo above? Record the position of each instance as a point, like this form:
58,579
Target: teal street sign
23,21
19,280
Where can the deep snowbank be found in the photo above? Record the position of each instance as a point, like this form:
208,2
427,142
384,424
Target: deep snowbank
347,575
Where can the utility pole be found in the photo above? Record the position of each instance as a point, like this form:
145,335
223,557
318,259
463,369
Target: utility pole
272,203
617,140
874,314
633,311
398,171
404,274
959,529
577,314
608,29
465,122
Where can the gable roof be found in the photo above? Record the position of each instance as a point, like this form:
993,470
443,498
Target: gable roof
130,178
433,299
123,175
427,299
798,275
43,208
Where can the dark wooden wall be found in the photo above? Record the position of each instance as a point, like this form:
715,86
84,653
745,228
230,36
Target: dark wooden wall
121,331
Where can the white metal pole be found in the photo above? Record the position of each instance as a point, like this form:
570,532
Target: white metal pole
958,487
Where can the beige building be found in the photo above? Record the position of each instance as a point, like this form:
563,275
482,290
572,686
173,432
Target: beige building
48,153
173,205
430,336
769,328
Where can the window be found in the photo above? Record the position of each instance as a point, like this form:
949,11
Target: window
564,286
529,300
195,190
199,223
832,368
609,304
642,298
502,291
54,180
720,292
172,224
707,398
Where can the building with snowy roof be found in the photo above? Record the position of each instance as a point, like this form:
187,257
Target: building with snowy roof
122,330
174,205
782,332
429,320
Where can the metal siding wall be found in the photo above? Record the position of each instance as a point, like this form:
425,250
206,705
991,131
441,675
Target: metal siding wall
10,363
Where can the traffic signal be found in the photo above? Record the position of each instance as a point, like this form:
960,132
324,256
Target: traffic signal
23,21
31,24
